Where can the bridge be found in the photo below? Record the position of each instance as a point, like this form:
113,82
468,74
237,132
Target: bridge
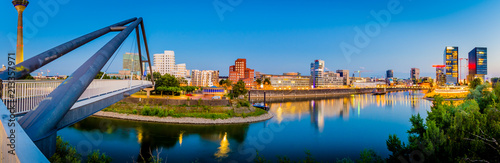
32,112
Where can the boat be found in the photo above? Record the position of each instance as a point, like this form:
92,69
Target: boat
377,92
261,106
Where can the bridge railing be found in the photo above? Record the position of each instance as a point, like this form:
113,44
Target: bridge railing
28,94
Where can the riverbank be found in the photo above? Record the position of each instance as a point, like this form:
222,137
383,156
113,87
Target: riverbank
316,94
184,120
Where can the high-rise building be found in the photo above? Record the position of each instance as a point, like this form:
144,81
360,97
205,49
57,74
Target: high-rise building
451,62
317,70
239,71
389,74
345,74
131,63
165,64
478,63
204,78
20,5
415,74
440,75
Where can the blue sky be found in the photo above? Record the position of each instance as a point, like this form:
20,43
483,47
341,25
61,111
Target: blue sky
274,36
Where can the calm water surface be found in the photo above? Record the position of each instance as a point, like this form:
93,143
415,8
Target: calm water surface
329,129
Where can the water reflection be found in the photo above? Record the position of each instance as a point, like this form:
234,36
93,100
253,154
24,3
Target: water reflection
223,149
152,136
364,120
341,108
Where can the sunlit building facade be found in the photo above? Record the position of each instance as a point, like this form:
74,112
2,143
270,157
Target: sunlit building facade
478,63
165,64
345,74
204,78
440,75
239,71
287,81
451,62
131,63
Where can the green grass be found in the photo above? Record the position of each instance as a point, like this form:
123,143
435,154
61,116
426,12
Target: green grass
199,111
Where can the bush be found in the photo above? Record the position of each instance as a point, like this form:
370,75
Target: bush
95,158
64,152
145,110
134,111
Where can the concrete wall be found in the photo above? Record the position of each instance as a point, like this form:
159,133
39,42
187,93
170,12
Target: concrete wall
287,95
156,101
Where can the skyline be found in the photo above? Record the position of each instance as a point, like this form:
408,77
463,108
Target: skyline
276,39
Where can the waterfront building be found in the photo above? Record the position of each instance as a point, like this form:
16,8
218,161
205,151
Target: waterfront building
330,79
317,70
440,75
451,62
478,63
239,71
292,73
131,63
204,78
415,74
389,74
345,74
165,64
288,81
209,92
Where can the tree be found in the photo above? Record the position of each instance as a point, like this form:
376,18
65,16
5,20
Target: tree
99,75
468,132
474,83
27,77
267,81
239,89
259,81
225,83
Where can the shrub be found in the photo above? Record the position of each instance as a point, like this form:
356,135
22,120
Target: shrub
95,158
145,110
134,111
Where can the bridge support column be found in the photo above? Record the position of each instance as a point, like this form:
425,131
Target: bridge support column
47,145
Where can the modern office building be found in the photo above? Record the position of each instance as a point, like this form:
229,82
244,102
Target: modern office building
389,74
440,75
317,70
330,79
415,74
165,64
239,71
451,62
204,78
131,63
478,63
288,81
345,74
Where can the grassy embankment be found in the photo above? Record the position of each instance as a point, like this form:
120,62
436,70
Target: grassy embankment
178,111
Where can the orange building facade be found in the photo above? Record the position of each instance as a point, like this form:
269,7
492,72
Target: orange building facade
239,71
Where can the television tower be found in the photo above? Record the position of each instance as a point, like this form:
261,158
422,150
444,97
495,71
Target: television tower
20,5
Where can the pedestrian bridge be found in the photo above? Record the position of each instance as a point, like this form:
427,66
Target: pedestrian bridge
98,95
41,108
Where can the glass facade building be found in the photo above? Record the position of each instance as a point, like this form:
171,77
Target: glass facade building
451,62
317,70
478,63
389,74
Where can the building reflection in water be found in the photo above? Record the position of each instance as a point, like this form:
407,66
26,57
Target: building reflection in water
318,110
224,149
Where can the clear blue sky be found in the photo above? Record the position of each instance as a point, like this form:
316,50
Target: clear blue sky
275,36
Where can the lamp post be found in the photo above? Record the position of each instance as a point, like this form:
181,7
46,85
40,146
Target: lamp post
20,5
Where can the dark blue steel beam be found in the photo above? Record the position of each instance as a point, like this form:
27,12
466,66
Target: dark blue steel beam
34,63
40,124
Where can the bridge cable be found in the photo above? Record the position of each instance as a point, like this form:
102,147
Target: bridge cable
115,54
